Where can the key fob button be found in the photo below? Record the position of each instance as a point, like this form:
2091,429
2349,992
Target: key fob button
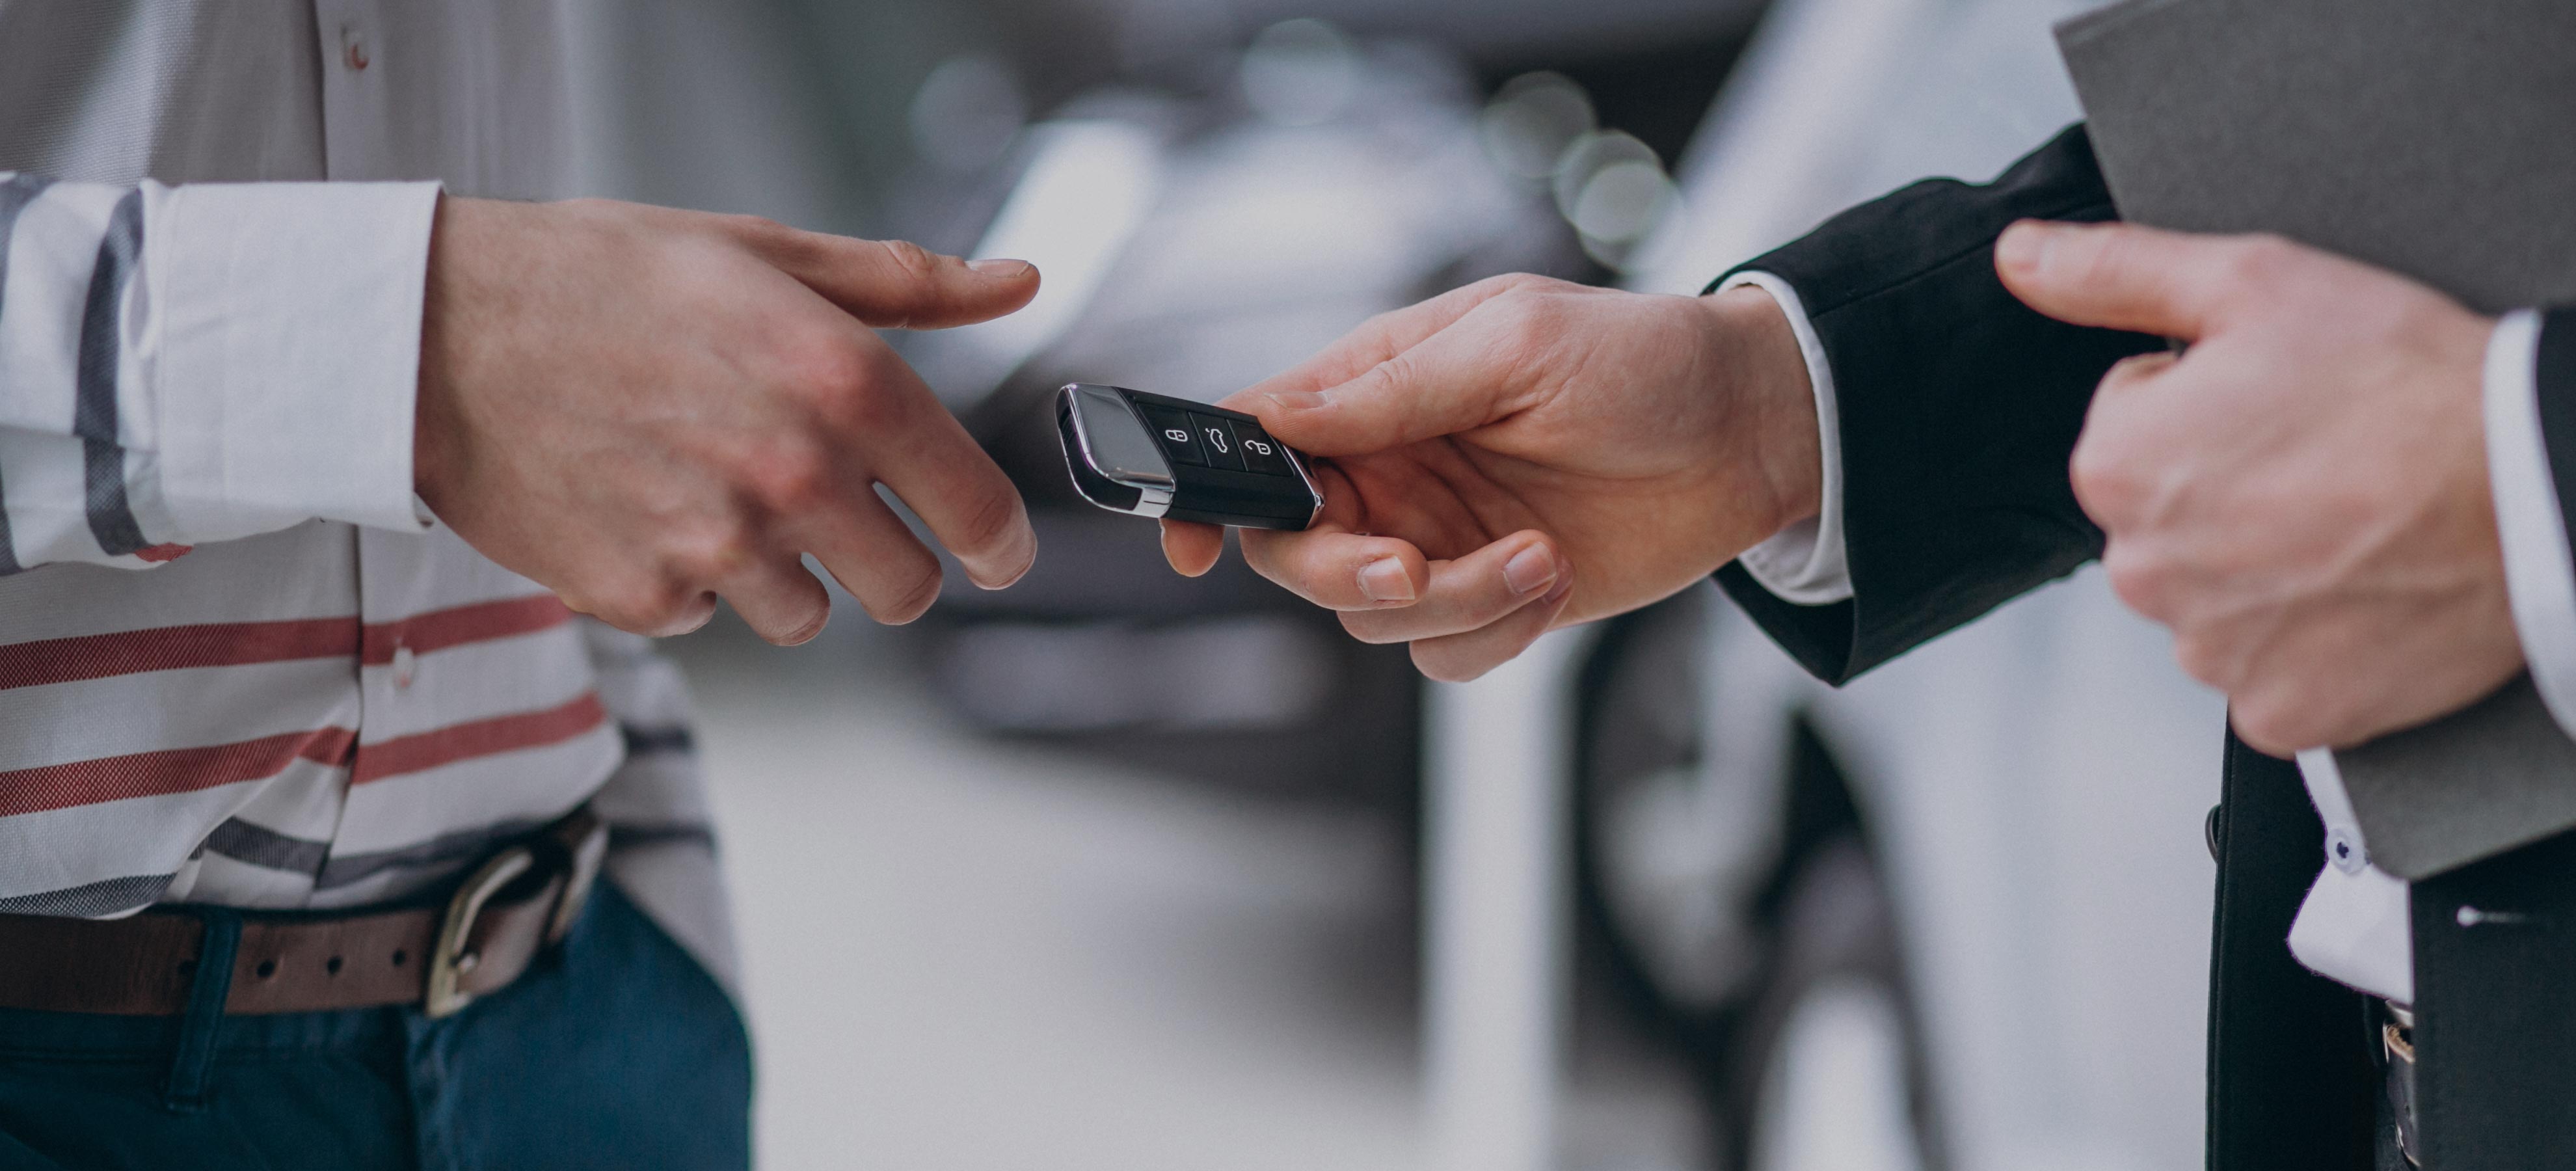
1179,434
1217,436
1260,452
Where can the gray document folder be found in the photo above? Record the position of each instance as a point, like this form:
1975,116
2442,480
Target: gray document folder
2433,137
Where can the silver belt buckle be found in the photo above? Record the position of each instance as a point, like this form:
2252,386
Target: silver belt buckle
580,843
448,960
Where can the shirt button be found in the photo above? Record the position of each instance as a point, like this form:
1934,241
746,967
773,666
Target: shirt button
406,664
2345,851
356,55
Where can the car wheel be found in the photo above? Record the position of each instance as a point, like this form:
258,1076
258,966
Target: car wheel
1830,1070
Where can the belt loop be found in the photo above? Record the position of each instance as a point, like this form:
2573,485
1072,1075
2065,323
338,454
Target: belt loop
193,1056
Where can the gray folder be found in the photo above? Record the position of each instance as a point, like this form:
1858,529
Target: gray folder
2434,137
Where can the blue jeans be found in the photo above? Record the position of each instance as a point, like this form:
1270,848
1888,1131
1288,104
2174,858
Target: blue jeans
615,1051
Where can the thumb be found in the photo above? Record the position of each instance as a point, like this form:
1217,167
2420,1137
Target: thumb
2122,276
1445,385
897,284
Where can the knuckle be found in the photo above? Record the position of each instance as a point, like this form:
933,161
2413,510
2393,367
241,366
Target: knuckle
1507,284
1529,313
914,262
791,475
991,521
911,599
2105,485
2260,259
697,548
650,605
710,559
2109,255
759,228
843,381
825,365
2269,721
2141,583
2206,659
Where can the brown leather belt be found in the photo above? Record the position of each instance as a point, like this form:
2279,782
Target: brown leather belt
509,909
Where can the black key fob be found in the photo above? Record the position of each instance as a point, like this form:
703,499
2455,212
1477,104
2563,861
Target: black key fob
1151,455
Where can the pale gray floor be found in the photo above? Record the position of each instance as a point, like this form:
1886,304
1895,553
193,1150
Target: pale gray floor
978,955
971,955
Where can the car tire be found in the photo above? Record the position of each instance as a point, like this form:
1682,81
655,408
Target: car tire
1829,1070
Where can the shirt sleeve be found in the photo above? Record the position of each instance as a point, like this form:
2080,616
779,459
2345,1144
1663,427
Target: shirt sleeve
2530,502
1805,563
199,363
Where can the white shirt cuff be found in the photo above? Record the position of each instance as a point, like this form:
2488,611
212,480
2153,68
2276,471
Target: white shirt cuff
287,354
1805,563
2355,926
2540,576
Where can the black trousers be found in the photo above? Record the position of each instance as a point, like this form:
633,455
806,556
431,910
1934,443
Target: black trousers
2293,1081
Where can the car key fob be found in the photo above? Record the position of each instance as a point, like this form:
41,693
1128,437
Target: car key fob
1152,455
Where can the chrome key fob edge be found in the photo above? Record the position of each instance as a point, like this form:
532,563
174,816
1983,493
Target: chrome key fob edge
1154,455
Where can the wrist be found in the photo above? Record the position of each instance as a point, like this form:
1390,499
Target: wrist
434,421
1775,438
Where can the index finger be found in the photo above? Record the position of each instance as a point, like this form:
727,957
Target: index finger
1376,340
2124,276
896,284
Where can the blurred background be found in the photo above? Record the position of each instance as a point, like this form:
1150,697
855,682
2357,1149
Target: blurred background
1120,870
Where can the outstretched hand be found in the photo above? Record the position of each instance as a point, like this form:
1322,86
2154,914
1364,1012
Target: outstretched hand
1525,453
643,409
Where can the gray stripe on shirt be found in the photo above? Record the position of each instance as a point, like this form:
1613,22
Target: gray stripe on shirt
629,837
90,900
445,849
643,741
111,518
261,846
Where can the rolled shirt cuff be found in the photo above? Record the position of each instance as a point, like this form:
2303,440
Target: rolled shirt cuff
2540,575
1805,563
287,358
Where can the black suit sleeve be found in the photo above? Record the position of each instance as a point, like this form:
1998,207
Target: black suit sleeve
1959,408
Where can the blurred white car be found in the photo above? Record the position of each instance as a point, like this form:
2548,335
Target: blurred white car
1957,913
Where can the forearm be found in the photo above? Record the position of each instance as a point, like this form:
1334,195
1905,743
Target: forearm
191,364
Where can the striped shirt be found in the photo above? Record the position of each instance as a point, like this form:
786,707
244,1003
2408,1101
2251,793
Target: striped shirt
238,665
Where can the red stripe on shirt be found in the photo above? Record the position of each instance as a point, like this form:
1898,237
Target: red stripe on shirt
169,648
473,738
236,644
166,771
458,625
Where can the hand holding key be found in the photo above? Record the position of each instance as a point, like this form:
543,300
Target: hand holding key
1525,453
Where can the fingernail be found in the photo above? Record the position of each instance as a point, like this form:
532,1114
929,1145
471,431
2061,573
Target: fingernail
1529,570
999,268
1384,580
1298,400
2024,245
1564,586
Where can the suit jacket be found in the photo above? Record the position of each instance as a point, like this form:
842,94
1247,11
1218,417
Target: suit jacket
1959,408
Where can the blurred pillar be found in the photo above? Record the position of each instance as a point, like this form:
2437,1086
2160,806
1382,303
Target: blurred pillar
1496,925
